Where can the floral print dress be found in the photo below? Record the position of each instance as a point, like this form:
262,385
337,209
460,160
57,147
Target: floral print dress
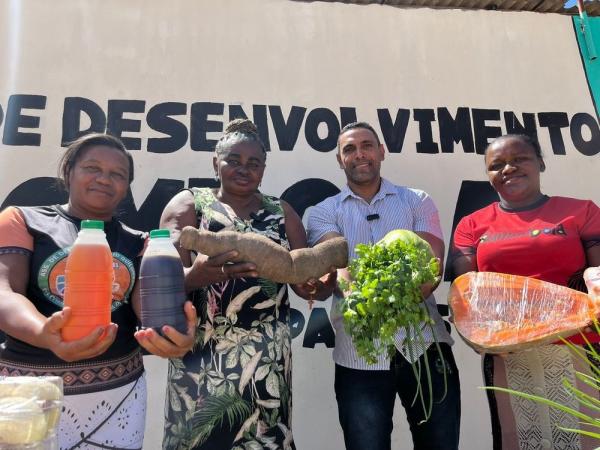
233,391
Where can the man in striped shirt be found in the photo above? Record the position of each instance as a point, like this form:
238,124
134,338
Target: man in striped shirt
363,212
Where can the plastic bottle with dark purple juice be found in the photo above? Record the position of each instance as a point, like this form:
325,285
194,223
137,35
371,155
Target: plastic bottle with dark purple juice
162,288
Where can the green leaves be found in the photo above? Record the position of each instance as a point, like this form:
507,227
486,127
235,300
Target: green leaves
385,297
590,424
385,291
231,408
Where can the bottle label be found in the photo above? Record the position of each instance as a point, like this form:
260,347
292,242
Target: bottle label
51,278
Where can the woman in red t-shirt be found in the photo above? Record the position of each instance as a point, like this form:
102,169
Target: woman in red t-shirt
550,238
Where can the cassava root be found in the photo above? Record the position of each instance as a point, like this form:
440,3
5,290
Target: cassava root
273,262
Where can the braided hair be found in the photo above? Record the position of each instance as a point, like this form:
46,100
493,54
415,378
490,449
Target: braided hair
236,132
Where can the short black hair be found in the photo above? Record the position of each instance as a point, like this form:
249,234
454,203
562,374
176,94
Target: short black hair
526,139
354,125
77,148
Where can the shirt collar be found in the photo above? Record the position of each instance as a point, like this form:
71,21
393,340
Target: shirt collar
385,188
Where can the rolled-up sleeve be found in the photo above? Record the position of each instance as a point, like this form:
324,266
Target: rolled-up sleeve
463,242
427,218
321,220
590,228
14,237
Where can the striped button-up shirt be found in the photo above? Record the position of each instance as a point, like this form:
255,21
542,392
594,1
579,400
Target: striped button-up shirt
393,207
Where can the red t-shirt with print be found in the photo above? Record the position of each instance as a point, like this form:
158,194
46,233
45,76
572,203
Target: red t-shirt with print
547,242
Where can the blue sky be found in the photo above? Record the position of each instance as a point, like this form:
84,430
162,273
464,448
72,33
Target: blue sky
570,3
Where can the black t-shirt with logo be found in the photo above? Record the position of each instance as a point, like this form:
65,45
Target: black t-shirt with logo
45,234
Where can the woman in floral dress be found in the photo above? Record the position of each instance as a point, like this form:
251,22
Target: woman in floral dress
234,390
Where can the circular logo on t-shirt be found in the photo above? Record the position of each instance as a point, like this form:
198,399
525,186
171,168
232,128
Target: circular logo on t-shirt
51,278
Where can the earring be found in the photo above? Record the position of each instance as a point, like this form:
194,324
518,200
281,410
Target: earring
216,176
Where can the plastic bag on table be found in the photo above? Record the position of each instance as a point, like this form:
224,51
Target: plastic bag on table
501,313
29,412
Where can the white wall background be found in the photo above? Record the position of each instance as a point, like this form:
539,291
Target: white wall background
279,52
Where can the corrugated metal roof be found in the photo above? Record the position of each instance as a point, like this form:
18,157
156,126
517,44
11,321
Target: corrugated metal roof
542,6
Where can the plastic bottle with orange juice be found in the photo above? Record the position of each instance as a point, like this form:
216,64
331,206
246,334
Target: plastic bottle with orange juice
89,279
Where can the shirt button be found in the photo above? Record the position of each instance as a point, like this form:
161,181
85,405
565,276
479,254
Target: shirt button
538,390
546,443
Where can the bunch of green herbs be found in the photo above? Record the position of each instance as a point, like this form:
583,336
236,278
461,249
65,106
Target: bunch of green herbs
385,296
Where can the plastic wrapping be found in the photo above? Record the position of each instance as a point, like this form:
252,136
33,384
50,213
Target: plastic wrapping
29,412
500,313
592,280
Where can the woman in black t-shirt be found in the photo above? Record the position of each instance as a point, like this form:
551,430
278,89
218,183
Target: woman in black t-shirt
105,392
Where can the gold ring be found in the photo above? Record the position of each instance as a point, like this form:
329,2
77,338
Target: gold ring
223,269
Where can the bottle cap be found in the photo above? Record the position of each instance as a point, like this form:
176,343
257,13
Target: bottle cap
92,225
160,234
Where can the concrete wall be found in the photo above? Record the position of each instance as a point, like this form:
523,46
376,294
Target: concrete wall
420,76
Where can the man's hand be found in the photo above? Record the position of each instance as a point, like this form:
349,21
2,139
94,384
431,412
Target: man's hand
428,288
317,289
343,275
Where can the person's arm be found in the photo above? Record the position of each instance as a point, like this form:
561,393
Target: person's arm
20,319
313,289
592,255
462,264
437,245
203,271
590,235
591,240
322,226
463,255
294,229
427,227
341,275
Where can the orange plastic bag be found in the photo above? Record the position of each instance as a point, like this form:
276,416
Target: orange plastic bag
501,313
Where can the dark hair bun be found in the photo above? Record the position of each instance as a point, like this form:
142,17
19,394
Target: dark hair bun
241,126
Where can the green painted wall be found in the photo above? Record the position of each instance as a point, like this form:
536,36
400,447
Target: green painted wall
592,66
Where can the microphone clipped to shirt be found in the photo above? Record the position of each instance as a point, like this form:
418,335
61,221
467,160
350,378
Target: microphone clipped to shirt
372,217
